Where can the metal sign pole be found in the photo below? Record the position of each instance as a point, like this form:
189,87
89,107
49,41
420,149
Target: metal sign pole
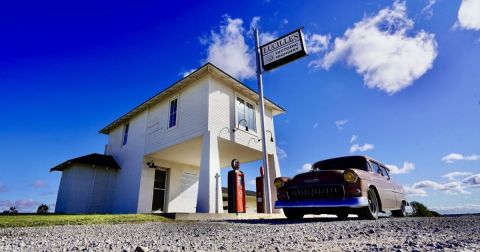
268,198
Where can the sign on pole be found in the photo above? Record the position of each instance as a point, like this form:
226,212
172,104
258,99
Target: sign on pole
269,56
283,50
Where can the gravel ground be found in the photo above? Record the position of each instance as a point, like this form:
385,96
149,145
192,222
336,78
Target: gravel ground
319,234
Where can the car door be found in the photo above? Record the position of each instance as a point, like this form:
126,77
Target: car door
384,186
392,188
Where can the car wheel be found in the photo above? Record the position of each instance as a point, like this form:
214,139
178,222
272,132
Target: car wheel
401,212
370,212
293,214
342,216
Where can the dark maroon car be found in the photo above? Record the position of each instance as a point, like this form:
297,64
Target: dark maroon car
341,186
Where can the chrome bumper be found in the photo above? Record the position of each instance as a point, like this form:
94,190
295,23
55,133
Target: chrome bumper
355,202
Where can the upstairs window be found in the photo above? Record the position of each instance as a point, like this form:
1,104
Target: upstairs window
245,115
172,115
125,134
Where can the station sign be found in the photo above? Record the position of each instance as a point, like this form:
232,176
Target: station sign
283,50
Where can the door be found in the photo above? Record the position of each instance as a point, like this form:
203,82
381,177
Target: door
384,187
159,190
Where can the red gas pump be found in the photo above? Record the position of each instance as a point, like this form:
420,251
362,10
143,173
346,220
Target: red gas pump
259,183
236,189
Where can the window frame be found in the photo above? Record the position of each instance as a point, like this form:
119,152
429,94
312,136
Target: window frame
255,119
176,97
126,129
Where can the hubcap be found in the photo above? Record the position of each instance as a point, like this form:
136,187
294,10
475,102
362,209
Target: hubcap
372,204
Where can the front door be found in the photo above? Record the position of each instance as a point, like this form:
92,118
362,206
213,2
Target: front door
159,190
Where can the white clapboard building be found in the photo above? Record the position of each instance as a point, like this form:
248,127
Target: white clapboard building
164,155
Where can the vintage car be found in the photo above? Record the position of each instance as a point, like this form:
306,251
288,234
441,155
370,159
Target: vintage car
341,186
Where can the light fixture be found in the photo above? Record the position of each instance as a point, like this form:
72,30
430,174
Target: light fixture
238,125
151,164
271,135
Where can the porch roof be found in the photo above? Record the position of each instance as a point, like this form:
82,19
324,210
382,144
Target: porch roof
197,74
91,159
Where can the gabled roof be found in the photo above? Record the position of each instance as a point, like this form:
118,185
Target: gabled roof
197,74
92,159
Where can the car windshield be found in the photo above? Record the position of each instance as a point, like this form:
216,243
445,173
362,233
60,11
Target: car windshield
341,164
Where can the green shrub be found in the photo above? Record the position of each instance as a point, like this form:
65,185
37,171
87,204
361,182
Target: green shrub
420,210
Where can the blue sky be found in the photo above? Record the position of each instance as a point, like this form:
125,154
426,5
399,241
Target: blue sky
397,81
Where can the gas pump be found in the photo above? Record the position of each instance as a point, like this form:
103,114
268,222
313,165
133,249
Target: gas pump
259,184
236,189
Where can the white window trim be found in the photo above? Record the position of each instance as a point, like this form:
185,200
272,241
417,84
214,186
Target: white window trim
168,112
123,134
255,107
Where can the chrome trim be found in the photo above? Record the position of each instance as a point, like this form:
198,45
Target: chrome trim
355,202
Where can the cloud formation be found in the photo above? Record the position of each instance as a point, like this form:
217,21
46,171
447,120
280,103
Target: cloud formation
453,187
473,180
353,138
361,148
305,168
384,50
39,183
228,50
453,175
3,188
452,157
317,43
468,15
281,153
406,168
340,124
428,9
21,205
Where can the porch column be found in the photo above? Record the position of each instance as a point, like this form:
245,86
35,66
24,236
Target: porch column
209,198
274,172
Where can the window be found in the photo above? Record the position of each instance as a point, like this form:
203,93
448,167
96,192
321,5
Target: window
125,134
246,115
385,171
172,115
376,168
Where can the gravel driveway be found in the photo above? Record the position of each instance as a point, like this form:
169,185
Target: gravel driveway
319,234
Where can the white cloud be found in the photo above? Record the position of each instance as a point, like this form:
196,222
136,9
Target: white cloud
284,21
3,188
458,209
317,43
384,50
186,73
228,50
453,175
406,168
451,188
468,15
305,168
428,9
353,138
341,123
361,148
315,125
253,182
264,37
452,157
39,183
473,180
281,153
26,205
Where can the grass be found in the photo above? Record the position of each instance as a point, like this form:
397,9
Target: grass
34,220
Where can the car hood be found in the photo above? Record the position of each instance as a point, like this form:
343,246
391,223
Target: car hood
324,177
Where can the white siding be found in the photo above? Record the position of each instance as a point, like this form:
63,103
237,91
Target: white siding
222,115
191,121
130,158
85,189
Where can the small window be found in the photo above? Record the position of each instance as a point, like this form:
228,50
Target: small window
246,115
172,115
125,134
385,171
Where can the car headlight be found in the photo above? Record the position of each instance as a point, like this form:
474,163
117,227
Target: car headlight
350,176
280,182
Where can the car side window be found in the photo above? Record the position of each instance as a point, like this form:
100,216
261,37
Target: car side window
376,168
385,171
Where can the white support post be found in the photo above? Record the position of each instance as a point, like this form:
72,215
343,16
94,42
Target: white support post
208,191
268,200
